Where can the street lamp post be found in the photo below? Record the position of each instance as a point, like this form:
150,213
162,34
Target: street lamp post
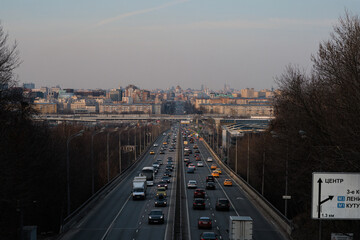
92,161
108,152
275,135
80,133
248,160
236,155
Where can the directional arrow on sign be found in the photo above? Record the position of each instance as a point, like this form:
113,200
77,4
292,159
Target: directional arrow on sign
319,199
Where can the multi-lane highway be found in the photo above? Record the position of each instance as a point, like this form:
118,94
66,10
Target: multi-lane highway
239,203
118,216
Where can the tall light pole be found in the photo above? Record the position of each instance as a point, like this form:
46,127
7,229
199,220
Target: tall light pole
68,167
108,152
92,160
236,155
248,160
285,197
120,149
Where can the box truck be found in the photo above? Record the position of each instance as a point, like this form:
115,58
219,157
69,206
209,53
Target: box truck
240,228
139,187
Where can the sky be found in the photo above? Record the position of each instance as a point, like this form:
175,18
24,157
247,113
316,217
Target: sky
159,44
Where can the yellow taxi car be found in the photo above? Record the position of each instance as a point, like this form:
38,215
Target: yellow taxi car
219,170
164,143
227,182
161,190
215,174
152,152
213,167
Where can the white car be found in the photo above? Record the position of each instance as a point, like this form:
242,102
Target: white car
209,159
192,184
156,145
200,164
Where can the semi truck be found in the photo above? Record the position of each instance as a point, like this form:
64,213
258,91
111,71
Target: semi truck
139,187
241,228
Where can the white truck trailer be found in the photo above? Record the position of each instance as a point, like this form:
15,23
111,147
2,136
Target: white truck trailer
241,228
139,187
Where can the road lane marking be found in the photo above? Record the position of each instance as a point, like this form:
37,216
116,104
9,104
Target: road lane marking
220,184
117,215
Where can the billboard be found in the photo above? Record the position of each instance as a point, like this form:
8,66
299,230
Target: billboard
335,196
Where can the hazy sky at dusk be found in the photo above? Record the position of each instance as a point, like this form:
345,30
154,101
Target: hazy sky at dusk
159,44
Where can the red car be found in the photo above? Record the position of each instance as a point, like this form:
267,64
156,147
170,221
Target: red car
197,158
199,193
208,236
204,222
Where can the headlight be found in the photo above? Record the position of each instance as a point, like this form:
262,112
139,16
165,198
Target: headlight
165,202
161,217
149,217
156,202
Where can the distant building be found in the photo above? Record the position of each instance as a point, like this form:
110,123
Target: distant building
45,108
115,95
136,108
28,85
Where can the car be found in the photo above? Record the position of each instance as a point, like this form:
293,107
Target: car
199,193
218,170
156,216
210,178
186,159
164,143
169,158
163,183
208,236
195,146
197,151
186,153
160,201
210,185
192,184
190,170
171,150
159,161
215,174
228,182
191,165
161,152
155,165
169,168
156,145
166,178
204,222
167,173
152,152
209,159
200,164
197,158
161,190
199,203
222,204
213,167
189,151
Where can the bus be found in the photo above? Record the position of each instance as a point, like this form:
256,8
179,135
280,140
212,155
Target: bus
149,173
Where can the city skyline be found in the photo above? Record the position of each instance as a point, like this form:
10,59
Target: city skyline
159,44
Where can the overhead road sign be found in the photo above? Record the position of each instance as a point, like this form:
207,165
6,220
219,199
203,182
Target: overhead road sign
335,196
